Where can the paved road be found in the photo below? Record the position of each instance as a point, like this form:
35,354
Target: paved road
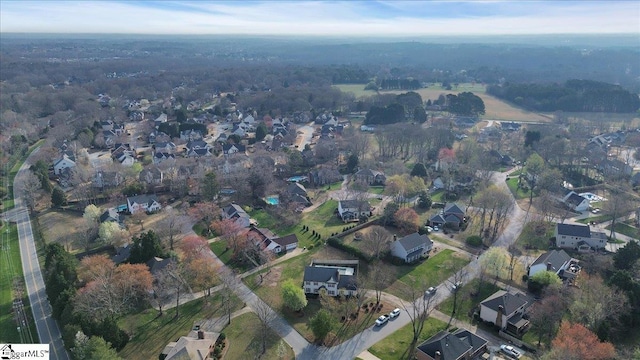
47,328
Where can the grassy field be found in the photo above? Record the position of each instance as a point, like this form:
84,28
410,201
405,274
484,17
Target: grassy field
430,272
10,272
243,335
150,333
395,346
518,193
496,109
625,229
63,227
597,219
468,299
535,235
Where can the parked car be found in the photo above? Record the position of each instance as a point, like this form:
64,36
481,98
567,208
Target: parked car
429,229
394,313
382,320
456,286
430,291
436,228
510,350
595,210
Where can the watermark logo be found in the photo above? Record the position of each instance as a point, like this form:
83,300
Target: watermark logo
24,351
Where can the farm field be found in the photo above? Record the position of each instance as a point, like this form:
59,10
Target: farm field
496,109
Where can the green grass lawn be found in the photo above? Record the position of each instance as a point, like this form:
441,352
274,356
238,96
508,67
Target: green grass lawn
517,192
395,346
430,272
244,338
437,196
10,271
468,299
625,229
597,219
379,190
150,333
535,235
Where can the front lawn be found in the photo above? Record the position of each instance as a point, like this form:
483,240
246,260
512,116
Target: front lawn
245,342
597,219
517,192
625,229
150,333
536,235
396,345
468,299
429,272
378,190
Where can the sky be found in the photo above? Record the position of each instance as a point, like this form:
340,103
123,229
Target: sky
325,18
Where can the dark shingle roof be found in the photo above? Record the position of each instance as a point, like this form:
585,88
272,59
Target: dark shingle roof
575,199
286,240
414,240
452,208
508,301
320,274
555,257
574,230
449,346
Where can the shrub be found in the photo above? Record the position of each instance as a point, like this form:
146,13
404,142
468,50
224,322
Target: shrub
474,240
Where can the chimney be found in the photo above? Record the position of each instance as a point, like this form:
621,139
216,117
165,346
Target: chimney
395,237
549,267
200,335
437,355
499,316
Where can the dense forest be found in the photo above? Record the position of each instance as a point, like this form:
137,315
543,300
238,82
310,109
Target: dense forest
572,96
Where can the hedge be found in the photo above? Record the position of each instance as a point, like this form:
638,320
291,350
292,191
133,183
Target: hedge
332,241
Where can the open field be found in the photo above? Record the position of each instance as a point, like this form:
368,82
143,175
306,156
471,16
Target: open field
496,109
396,345
11,278
535,235
430,272
63,227
150,333
243,336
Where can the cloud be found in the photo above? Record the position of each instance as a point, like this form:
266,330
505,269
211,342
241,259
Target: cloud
378,18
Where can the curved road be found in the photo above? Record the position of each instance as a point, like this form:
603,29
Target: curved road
47,327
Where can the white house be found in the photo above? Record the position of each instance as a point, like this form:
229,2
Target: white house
63,163
557,261
351,210
337,277
230,149
148,203
505,310
579,237
411,247
161,119
280,244
576,202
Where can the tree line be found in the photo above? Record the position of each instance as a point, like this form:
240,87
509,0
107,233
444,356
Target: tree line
572,96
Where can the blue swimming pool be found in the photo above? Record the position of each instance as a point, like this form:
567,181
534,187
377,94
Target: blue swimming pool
272,200
297,178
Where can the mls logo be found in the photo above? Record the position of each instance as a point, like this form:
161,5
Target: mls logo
5,352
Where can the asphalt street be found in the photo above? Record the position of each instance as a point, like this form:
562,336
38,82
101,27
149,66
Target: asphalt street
47,327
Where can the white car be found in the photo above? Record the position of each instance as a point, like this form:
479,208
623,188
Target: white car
510,350
430,291
436,228
382,320
394,314
429,229
456,286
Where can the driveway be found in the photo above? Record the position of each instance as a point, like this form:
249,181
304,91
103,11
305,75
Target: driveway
47,327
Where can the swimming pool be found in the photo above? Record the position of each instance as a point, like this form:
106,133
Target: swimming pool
297,178
272,200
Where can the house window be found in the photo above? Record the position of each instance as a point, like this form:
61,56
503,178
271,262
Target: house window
561,242
331,292
307,290
315,283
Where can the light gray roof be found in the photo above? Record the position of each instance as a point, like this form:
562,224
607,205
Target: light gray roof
509,302
414,240
555,257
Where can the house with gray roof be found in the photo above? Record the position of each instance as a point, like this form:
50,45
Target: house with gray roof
576,202
557,261
110,215
579,237
371,177
237,214
352,210
148,203
337,277
461,344
412,247
505,310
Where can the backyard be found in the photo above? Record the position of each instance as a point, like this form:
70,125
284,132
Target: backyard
536,235
469,296
150,333
244,339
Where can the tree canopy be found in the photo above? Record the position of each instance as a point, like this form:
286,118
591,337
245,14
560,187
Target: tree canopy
293,296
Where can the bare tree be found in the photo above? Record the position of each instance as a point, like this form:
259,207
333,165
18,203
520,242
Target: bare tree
30,189
266,315
168,227
418,309
514,253
377,240
457,279
620,203
378,279
226,294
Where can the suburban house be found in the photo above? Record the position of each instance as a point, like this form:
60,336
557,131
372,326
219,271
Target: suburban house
615,167
236,213
461,344
198,345
157,264
337,277
148,203
411,247
557,261
151,175
104,179
230,149
159,157
502,159
161,119
579,237
280,244
166,147
576,202
110,215
298,193
505,310
351,210
122,254
451,215
371,177
63,164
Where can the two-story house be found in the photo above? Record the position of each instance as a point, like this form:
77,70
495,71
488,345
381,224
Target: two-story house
352,210
411,247
148,203
237,214
579,237
459,345
337,277
505,310
557,261
371,177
